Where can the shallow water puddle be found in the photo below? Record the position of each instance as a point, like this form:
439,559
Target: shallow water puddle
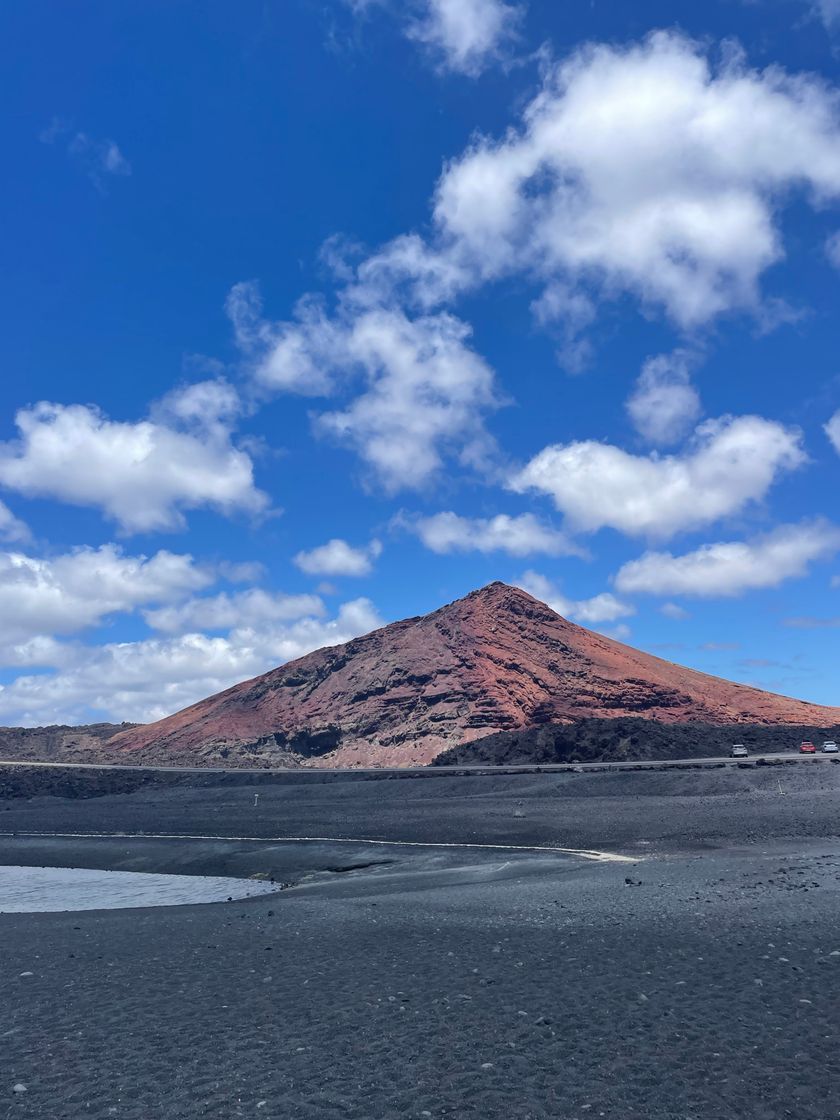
27,890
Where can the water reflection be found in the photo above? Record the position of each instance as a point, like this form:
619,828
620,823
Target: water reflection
26,890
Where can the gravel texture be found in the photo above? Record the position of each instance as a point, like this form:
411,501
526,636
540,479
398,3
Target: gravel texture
700,979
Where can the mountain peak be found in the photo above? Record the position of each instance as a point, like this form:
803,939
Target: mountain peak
500,596
497,588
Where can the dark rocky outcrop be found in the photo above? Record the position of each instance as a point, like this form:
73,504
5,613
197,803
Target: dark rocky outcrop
627,739
58,742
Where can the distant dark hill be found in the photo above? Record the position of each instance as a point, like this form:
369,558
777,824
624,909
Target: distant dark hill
58,743
626,740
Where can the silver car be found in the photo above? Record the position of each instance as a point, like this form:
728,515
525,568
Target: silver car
739,751
830,747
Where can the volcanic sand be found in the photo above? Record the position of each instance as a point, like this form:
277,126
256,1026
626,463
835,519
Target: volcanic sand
701,979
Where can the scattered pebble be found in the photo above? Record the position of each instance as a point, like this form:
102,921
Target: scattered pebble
19,1087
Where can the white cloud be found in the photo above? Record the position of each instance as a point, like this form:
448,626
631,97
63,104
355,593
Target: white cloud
645,169
424,391
149,679
142,474
466,34
11,527
732,567
251,608
338,558
731,463
407,268
664,404
523,535
79,589
30,652
601,608
209,406
591,612
832,430
298,356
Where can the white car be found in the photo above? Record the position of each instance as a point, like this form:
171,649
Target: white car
739,751
830,747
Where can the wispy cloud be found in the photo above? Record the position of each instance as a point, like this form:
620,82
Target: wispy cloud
466,35
462,36
99,159
828,11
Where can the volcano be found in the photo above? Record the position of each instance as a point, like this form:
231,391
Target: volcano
496,660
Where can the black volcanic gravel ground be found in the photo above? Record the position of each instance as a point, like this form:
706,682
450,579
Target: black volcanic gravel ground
441,982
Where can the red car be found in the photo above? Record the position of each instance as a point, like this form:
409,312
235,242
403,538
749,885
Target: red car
807,748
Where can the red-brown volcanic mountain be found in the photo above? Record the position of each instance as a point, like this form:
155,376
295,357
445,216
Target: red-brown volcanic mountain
495,660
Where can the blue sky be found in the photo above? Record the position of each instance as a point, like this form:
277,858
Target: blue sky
322,314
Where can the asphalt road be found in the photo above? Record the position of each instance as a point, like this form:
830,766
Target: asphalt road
528,768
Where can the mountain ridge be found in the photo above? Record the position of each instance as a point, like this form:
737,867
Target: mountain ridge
495,660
